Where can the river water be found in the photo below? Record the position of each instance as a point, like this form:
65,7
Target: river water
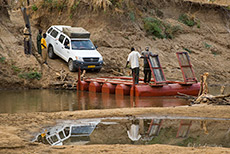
24,101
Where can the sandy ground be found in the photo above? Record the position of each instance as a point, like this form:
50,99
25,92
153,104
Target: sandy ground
18,129
114,40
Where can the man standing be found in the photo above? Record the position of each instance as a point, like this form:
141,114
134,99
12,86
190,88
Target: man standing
133,59
26,39
44,49
147,70
39,38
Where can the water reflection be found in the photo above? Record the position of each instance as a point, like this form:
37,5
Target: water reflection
58,100
139,130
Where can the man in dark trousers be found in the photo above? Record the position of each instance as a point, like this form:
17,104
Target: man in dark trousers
133,59
39,38
147,70
26,40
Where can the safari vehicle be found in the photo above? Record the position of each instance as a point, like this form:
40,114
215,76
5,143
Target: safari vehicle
74,46
64,133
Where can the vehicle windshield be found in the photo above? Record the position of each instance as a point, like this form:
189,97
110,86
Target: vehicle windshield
82,45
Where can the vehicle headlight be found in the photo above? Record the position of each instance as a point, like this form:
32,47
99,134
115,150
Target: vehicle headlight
100,59
79,58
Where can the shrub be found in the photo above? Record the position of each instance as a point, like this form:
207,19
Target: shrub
170,31
185,19
31,75
34,7
154,26
160,29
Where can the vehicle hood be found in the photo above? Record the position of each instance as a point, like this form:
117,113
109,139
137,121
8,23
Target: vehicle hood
86,53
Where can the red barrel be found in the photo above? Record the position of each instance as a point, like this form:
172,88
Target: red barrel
122,89
108,88
84,86
95,87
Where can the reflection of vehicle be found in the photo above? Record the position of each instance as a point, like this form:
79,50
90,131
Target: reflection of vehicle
73,45
78,132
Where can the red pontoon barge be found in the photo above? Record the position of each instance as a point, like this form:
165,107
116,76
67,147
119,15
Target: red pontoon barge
158,86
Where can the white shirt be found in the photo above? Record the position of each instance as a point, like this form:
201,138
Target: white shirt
133,133
133,59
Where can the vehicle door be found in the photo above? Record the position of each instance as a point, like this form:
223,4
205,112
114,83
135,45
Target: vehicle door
53,40
67,48
60,46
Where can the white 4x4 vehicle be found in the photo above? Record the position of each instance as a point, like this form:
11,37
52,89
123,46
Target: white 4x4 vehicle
73,45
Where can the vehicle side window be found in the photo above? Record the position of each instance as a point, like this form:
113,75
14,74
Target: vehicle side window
66,43
61,38
54,33
50,30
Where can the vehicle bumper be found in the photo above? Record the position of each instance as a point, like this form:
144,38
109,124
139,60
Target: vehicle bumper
88,65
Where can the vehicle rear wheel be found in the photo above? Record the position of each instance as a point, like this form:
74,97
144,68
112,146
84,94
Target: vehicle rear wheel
71,66
51,53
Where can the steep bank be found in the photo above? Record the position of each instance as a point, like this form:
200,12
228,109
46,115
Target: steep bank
118,26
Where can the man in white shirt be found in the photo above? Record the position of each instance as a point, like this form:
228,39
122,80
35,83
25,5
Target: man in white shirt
133,59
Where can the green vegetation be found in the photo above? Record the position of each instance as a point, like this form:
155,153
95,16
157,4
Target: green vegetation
207,45
15,69
74,6
168,136
188,20
160,29
54,4
30,75
34,7
186,141
2,59
165,135
185,19
132,16
188,50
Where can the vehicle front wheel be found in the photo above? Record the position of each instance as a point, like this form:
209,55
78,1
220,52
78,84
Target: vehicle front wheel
51,53
71,66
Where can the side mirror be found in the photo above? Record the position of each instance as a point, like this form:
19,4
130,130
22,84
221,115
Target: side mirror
96,46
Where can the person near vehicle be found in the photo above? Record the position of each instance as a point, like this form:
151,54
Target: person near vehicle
147,70
39,38
26,34
133,59
44,49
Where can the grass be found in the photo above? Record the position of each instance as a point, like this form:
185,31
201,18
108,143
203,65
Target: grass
74,6
2,59
185,19
188,50
15,69
30,75
54,4
34,7
160,29
103,4
164,136
189,21
189,140
207,45
62,5
132,16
